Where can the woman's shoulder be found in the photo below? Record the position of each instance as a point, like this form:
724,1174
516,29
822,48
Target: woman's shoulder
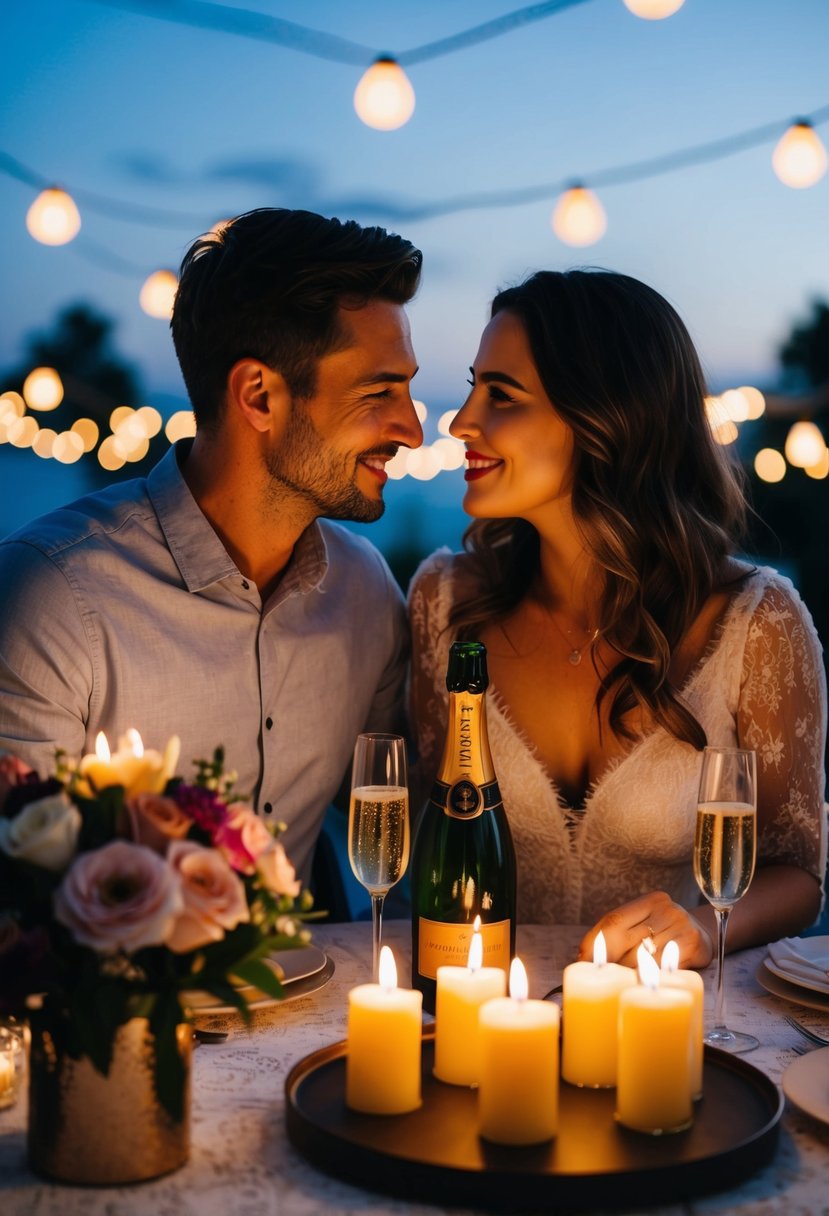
769,605
443,568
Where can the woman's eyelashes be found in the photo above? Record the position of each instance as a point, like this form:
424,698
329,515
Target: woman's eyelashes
496,395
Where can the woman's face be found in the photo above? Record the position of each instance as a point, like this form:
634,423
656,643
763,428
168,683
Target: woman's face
519,451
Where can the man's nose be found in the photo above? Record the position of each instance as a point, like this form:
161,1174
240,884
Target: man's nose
406,428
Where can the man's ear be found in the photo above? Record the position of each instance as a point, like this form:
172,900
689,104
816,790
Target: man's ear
259,394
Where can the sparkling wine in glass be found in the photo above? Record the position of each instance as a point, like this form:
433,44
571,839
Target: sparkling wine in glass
725,850
378,822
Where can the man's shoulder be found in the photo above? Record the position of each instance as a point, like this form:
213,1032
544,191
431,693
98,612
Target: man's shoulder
96,515
352,552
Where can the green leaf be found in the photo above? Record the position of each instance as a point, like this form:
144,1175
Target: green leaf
170,1073
262,976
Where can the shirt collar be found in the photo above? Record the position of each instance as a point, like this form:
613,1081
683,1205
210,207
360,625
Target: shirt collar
197,551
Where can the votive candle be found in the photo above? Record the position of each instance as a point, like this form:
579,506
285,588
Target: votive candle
590,1015
382,1068
461,991
672,976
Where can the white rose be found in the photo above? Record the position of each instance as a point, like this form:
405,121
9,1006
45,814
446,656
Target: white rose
44,832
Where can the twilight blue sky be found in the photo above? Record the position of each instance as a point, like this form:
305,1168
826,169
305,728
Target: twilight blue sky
207,124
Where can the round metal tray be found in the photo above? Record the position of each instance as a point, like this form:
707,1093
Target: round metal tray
435,1154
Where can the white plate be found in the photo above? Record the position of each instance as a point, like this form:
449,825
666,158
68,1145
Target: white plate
297,969
788,991
806,1083
812,948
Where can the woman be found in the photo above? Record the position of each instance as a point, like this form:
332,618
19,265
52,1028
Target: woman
622,632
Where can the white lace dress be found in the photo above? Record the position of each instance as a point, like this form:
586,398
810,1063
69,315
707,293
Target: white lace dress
760,684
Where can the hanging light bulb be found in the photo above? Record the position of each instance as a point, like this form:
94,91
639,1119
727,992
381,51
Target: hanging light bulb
53,218
653,10
804,445
384,98
43,389
579,217
799,159
158,294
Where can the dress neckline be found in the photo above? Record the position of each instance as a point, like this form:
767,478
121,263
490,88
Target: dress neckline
612,767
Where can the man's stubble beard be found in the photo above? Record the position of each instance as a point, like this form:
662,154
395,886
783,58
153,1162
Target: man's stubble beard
302,466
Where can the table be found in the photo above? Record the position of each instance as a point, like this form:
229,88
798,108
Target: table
243,1165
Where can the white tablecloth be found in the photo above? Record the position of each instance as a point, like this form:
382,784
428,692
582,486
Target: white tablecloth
243,1165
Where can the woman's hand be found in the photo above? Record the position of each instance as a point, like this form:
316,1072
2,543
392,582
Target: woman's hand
655,916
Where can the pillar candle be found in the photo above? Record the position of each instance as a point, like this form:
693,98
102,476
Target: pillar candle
461,991
671,976
518,1084
382,1068
654,1086
590,1008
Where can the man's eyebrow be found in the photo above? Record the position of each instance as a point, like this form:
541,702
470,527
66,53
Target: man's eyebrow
501,377
388,378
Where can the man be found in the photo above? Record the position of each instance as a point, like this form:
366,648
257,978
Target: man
207,600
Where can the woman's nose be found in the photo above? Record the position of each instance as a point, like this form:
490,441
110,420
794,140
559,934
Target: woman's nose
463,425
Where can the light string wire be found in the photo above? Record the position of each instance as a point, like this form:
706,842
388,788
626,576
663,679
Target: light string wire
248,23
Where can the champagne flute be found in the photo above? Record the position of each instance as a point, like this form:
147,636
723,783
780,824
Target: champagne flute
725,851
378,822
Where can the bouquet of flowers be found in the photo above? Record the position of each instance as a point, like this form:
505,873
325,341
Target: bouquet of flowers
122,887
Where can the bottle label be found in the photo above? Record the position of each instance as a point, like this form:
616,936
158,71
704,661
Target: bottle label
447,945
464,799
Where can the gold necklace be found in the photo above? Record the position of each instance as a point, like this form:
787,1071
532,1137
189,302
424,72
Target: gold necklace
574,657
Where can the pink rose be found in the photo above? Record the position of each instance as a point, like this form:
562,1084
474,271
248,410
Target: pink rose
214,897
252,834
155,820
276,871
120,897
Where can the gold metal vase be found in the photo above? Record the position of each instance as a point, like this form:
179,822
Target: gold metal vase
104,1130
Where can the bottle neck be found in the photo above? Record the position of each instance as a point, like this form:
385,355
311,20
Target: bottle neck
466,754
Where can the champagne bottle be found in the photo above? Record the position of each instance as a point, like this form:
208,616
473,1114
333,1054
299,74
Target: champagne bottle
463,864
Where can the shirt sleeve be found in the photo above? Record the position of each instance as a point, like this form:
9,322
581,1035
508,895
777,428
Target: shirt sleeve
46,669
782,715
388,707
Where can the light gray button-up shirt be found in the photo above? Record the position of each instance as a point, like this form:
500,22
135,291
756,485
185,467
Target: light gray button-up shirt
124,609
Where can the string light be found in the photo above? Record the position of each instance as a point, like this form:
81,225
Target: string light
158,294
384,98
820,470
53,218
799,159
579,218
804,445
181,425
653,10
769,465
43,389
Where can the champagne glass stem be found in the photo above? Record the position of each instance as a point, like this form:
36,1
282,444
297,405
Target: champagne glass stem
377,928
719,1006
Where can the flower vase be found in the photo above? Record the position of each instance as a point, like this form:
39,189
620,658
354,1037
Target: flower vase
88,1128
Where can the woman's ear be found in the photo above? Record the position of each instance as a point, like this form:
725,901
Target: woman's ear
259,394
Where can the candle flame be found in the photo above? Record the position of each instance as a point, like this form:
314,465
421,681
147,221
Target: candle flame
136,743
476,925
519,989
476,950
102,747
387,970
670,957
648,970
600,950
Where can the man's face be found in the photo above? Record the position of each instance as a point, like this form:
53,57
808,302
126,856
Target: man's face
336,443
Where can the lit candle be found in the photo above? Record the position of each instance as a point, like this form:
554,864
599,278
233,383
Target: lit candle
654,1088
10,1049
518,1082
460,993
590,1009
138,769
691,981
382,1068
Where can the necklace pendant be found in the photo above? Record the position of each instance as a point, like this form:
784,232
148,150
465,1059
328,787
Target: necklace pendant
574,658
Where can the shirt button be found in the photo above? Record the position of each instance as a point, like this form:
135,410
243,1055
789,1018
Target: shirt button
246,584
268,808
269,723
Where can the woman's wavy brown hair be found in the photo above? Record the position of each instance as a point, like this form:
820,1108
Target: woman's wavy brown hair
657,502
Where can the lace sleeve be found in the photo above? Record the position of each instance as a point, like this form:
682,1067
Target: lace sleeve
782,715
429,598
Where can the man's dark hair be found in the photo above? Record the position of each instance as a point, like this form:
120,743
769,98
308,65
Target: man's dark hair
267,285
